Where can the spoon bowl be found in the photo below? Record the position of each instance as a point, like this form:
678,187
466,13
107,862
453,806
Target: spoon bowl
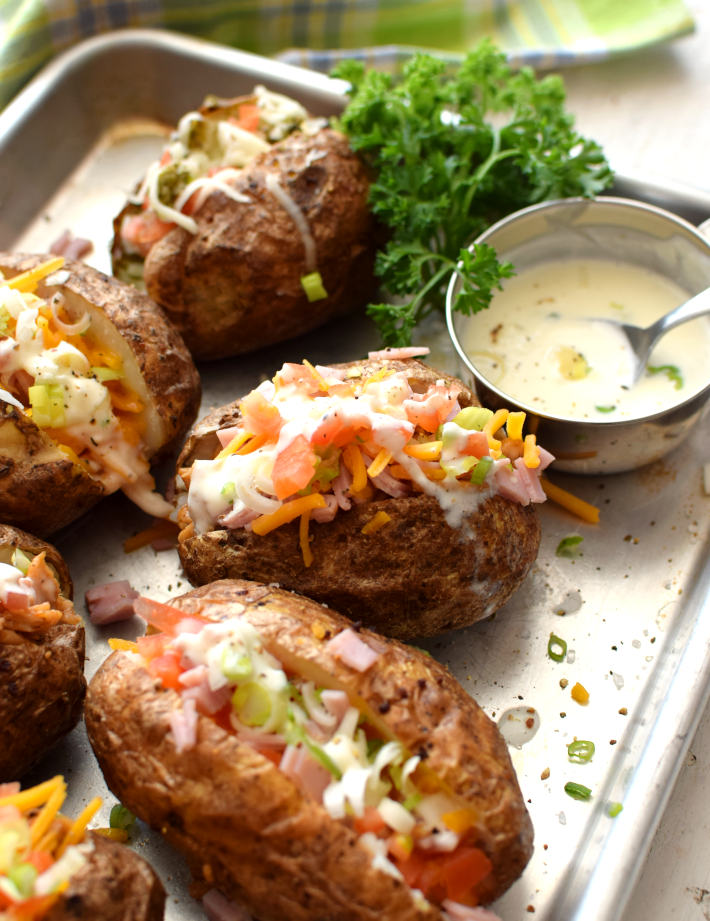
643,339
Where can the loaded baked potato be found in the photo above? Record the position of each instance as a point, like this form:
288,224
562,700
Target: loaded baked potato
94,383
378,487
42,683
253,227
306,768
53,869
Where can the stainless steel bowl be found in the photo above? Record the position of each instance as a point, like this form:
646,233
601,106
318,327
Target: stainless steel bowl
607,227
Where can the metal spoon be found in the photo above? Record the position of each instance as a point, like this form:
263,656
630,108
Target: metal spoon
643,339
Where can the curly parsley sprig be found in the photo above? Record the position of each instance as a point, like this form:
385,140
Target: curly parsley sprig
451,152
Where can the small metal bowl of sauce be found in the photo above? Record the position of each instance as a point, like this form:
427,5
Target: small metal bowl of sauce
538,347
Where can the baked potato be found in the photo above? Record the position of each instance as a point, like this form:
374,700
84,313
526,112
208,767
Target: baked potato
252,228
307,768
52,869
42,683
94,384
422,516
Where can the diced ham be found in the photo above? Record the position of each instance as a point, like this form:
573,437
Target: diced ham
530,477
226,435
183,724
238,518
70,246
310,775
351,650
111,602
9,789
327,513
340,486
335,702
217,908
411,351
390,484
193,676
207,700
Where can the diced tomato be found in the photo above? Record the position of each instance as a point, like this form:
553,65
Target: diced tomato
452,875
162,616
259,416
166,669
40,860
166,158
371,820
152,645
274,755
248,117
330,425
477,444
294,468
143,230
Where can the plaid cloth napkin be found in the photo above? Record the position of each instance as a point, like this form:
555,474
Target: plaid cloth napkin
317,33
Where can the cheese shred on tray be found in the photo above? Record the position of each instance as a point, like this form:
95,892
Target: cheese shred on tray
315,440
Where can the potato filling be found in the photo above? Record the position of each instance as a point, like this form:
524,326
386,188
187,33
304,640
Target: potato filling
413,829
315,440
56,371
40,849
30,598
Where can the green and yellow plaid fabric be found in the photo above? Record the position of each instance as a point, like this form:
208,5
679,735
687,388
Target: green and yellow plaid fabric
316,33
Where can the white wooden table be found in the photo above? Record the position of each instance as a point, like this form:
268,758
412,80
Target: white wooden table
650,111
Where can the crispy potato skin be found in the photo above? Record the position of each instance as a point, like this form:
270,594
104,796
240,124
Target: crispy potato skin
42,684
234,286
42,688
41,489
244,826
417,576
114,884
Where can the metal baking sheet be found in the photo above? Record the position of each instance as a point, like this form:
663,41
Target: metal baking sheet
633,608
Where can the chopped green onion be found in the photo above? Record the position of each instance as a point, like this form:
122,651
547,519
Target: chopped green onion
580,751
605,409
411,802
577,791
373,746
473,418
556,648
103,374
20,560
23,877
295,733
614,809
252,704
672,371
312,284
236,665
120,817
480,471
47,402
569,546
228,491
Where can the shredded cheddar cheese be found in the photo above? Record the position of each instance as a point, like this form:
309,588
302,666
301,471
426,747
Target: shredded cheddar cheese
378,520
572,503
289,511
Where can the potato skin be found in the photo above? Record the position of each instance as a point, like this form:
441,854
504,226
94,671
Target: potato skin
41,489
42,684
234,286
245,827
417,576
114,884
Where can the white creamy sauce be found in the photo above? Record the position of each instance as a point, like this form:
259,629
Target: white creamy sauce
538,343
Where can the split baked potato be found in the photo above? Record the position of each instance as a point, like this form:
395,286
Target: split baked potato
95,383
42,684
252,228
52,869
355,485
307,768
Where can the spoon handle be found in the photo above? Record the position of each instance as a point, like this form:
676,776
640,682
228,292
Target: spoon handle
695,307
